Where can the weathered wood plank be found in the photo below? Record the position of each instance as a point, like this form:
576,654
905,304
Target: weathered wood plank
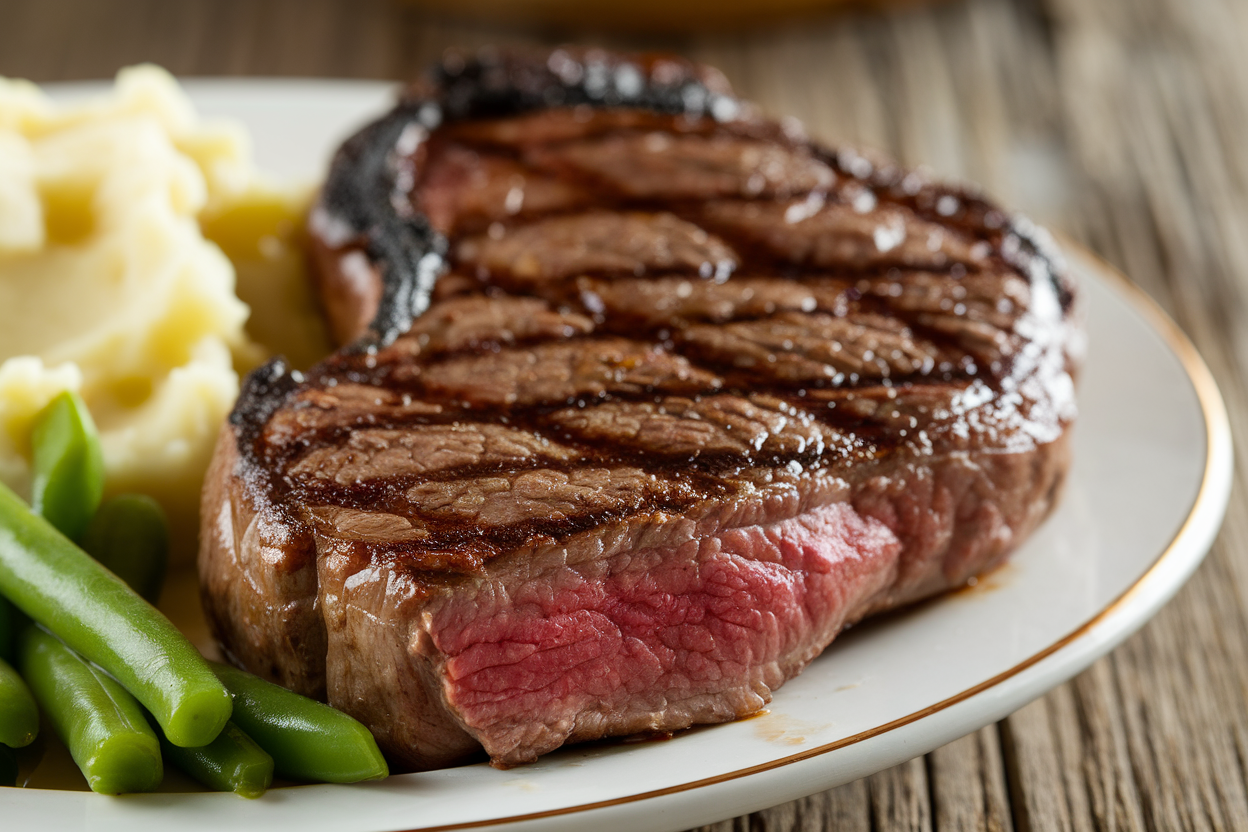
968,784
1036,786
1148,125
900,798
1106,759
844,809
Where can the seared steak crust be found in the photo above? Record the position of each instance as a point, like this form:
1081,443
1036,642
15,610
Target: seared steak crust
643,399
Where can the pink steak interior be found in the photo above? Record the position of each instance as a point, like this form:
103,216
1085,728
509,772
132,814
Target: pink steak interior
653,630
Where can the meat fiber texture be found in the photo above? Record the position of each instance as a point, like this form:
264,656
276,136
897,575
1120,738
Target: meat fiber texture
642,400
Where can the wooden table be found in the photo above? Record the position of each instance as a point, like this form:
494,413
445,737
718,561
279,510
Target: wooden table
1135,112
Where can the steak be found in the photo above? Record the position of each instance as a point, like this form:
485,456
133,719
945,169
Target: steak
642,399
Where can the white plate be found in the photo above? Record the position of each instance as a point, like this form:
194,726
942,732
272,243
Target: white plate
1149,487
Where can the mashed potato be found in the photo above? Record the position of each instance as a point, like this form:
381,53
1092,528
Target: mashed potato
116,218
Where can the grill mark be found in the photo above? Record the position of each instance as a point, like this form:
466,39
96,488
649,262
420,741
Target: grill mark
450,534
674,491
690,486
708,467
735,379
565,293
974,216
886,183
756,258
756,261
676,125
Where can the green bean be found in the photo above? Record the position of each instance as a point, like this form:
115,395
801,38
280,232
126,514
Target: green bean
233,762
19,717
307,739
103,726
6,630
129,535
96,614
68,465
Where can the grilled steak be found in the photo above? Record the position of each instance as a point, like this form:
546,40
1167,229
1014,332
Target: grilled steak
643,399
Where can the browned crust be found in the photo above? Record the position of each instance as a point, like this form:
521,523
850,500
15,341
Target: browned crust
258,579
347,286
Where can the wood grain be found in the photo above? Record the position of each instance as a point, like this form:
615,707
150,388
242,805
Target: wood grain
1132,117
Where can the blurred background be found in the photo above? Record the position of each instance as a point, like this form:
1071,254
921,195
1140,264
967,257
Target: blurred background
1120,123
